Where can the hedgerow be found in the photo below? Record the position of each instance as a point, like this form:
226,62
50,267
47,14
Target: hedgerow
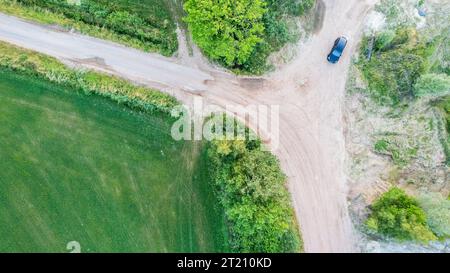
252,190
42,66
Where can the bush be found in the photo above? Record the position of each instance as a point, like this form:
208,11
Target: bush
304,6
437,209
444,105
441,57
227,31
399,216
432,85
251,187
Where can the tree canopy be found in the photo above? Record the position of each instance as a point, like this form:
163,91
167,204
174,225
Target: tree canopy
226,30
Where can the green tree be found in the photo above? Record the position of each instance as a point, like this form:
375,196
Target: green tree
396,65
226,30
397,215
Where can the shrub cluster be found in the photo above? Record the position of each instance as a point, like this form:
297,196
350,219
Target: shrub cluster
251,188
152,32
399,216
392,146
444,104
226,30
39,65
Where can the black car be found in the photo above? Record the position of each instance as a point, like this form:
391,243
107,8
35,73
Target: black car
337,50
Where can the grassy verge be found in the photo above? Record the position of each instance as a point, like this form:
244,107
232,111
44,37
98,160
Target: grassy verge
144,25
399,216
42,66
252,189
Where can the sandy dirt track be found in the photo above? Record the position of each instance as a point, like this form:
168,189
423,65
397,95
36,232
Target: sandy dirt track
309,91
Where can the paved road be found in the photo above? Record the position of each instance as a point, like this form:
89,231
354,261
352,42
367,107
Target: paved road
309,92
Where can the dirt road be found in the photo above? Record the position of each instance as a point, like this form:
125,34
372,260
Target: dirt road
309,91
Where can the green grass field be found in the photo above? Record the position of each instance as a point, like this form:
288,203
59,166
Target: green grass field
79,168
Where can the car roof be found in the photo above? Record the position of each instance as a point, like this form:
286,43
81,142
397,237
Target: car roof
342,43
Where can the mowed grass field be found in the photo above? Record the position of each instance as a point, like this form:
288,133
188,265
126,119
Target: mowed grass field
81,168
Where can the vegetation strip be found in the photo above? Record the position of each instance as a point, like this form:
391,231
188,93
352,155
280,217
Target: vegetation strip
444,107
